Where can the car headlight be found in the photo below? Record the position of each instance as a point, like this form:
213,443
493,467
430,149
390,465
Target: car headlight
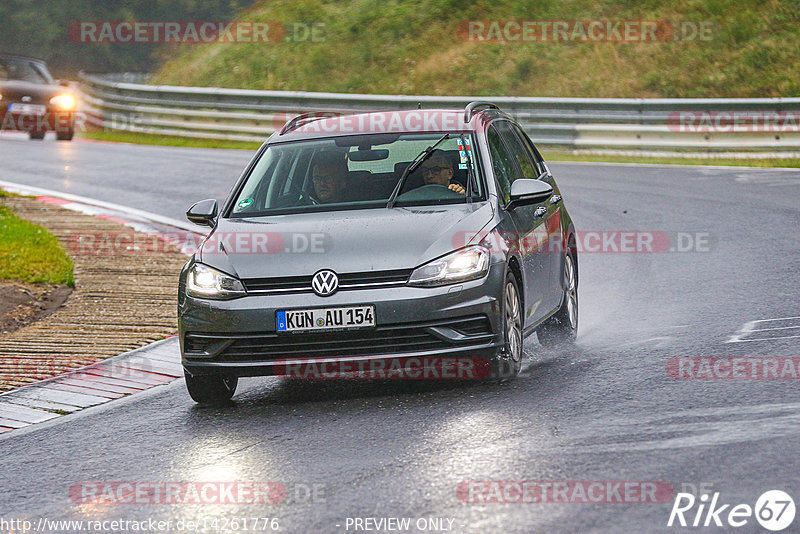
459,266
63,102
208,283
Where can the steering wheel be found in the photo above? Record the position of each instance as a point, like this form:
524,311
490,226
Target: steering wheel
303,197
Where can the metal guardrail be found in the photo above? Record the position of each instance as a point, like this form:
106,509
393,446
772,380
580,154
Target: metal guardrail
113,101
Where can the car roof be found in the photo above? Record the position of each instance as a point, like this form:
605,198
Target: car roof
326,124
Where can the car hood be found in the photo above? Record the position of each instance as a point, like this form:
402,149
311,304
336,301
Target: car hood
14,90
346,242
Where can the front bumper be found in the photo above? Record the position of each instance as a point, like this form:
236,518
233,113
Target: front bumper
413,324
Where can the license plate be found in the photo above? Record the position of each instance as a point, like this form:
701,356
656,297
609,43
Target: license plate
27,109
326,319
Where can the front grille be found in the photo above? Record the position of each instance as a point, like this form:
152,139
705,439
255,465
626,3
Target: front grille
302,284
397,339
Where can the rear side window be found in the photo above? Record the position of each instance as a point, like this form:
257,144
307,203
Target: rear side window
537,158
503,165
520,152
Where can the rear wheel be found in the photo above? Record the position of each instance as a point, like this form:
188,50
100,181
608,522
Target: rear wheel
211,389
563,326
38,136
508,362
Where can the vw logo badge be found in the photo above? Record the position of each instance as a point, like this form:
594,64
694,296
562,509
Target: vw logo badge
26,99
325,283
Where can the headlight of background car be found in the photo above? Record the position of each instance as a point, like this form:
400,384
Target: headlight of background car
63,102
462,265
208,283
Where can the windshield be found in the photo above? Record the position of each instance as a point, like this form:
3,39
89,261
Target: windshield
356,172
24,70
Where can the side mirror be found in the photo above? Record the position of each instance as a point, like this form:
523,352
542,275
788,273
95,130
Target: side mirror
526,191
203,212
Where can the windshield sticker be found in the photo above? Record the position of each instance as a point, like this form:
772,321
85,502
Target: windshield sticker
245,203
464,148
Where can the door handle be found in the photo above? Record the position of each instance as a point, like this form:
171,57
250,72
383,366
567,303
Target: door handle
540,212
555,199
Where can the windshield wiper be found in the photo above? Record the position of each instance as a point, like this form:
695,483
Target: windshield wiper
422,156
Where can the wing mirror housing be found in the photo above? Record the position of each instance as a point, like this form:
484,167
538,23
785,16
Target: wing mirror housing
203,212
527,191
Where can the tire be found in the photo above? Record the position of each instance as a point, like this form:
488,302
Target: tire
508,361
37,136
211,389
65,136
562,327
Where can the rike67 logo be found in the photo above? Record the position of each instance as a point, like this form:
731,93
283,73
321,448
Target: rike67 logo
774,510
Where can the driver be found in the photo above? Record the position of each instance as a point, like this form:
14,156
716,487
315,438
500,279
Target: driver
329,177
438,170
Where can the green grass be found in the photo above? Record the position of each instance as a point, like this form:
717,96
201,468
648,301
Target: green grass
167,140
414,47
29,253
569,156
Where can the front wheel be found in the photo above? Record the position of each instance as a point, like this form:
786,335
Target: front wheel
211,389
562,327
508,362
37,136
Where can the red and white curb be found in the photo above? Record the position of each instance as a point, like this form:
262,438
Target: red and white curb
131,372
128,373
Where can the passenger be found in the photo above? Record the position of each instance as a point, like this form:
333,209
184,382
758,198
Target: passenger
330,178
438,170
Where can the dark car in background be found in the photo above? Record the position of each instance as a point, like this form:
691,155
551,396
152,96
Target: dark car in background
447,241
31,101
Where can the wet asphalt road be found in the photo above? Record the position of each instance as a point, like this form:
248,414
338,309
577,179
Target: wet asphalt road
603,410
